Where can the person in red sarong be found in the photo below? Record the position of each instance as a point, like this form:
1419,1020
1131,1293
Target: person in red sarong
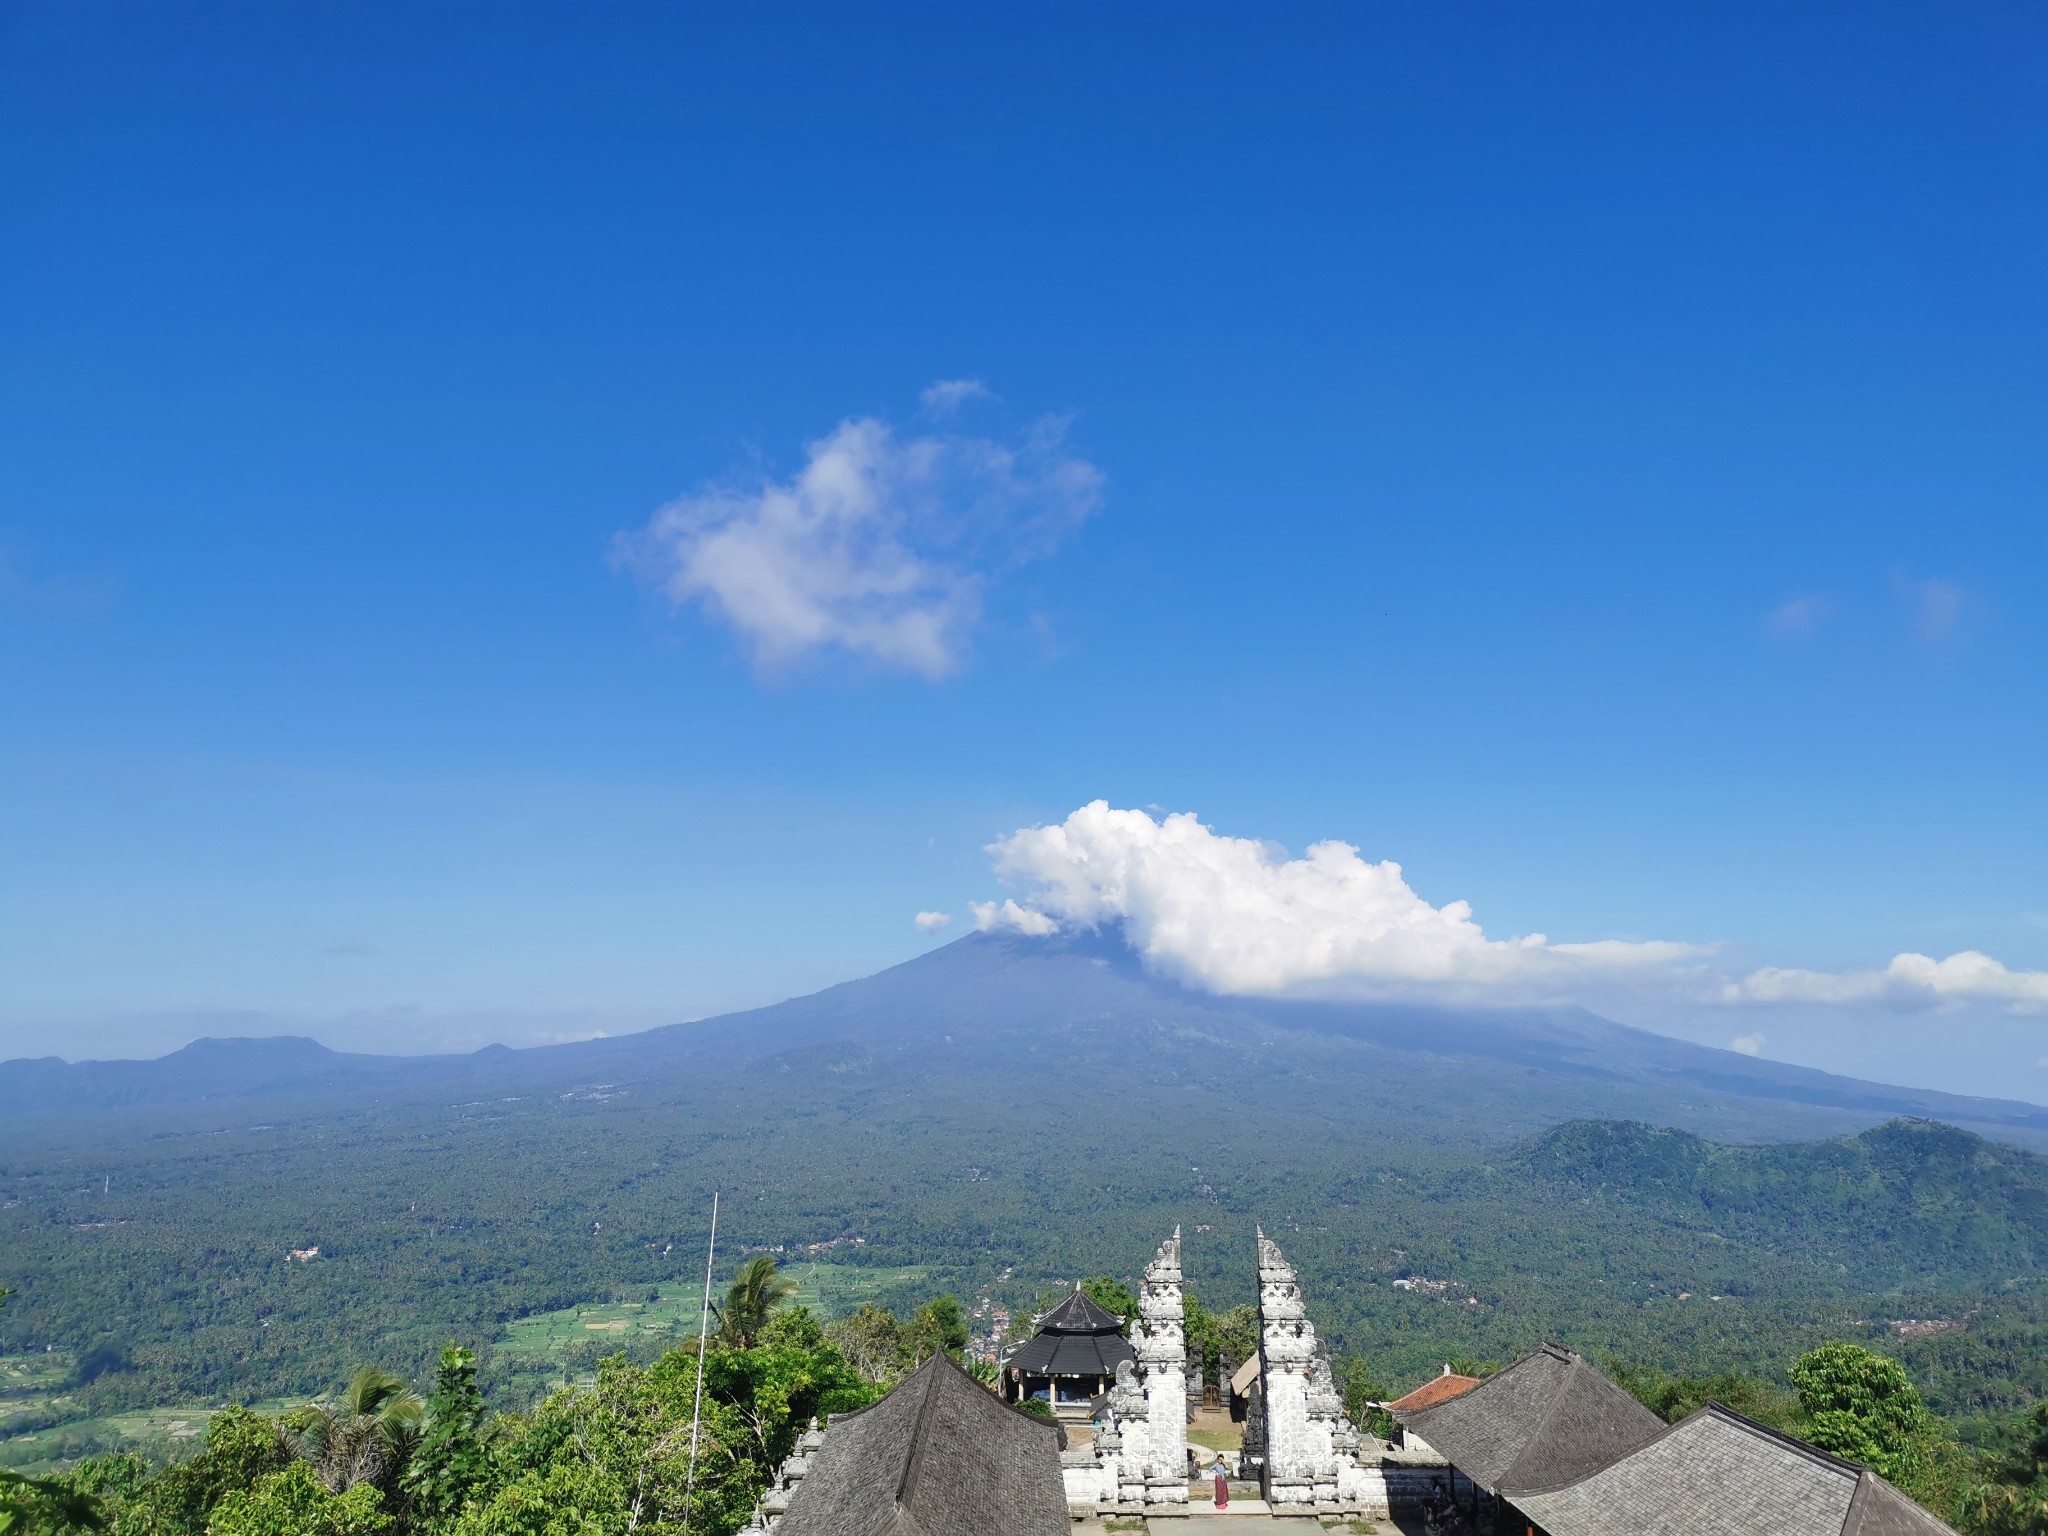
1222,1483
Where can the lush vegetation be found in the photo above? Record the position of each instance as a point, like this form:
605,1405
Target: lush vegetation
628,1452
1437,1209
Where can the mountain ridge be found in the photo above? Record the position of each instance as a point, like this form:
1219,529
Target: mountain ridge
996,1116
1010,987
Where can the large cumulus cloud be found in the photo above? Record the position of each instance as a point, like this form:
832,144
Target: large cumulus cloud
1234,915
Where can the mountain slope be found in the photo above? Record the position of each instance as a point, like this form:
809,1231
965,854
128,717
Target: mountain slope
1910,1198
1000,1114
994,996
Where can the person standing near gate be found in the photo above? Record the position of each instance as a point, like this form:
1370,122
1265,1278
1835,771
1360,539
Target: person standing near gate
1222,1482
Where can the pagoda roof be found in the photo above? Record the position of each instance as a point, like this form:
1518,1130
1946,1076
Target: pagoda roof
1076,1338
1079,1313
1072,1354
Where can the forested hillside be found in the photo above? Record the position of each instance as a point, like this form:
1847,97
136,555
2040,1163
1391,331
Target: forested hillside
994,1119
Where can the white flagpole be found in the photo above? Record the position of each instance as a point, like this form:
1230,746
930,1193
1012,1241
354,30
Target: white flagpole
703,1333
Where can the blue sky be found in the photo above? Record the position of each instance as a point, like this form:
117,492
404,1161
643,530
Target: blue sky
1589,455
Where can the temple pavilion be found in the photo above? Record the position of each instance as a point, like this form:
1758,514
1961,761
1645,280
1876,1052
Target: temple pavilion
1073,1357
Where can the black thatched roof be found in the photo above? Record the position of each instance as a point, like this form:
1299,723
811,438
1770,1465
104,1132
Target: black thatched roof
1547,1420
1079,1313
1076,1338
1072,1354
1716,1473
939,1456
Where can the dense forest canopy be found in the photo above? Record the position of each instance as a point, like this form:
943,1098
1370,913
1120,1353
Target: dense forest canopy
1451,1189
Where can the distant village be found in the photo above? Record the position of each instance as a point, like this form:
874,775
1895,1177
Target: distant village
1547,1447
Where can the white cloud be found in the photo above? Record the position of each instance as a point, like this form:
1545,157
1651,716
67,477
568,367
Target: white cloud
1749,1045
990,918
1909,984
1238,916
932,922
1937,607
1233,915
1798,618
879,547
948,395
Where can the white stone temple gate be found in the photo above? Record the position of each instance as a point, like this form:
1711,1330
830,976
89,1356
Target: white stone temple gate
1308,1450
1139,1461
1310,1459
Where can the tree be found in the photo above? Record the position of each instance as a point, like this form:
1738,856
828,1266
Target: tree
2014,1502
756,1291
1999,1509
1112,1295
1864,1408
113,1479
453,1459
368,1438
1671,1398
616,1458
871,1340
1211,1335
1361,1387
940,1323
778,1388
241,1449
2033,1447
30,1506
295,1502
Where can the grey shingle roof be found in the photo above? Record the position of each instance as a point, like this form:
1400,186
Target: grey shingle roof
1716,1473
939,1456
1080,1313
1879,1509
1070,1354
1546,1420
1076,1338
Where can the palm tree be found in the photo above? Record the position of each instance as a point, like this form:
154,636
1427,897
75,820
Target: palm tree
756,1291
364,1439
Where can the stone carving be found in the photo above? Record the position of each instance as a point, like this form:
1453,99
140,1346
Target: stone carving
1159,1446
1139,1460
775,1501
1308,1450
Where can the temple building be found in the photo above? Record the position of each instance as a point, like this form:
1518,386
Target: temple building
1072,1359
939,1456
1545,1421
1571,1454
1547,1447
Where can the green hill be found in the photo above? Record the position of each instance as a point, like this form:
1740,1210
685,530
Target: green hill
1907,1200
997,1117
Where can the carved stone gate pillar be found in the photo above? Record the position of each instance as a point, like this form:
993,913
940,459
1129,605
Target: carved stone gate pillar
1300,1416
1155,1449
